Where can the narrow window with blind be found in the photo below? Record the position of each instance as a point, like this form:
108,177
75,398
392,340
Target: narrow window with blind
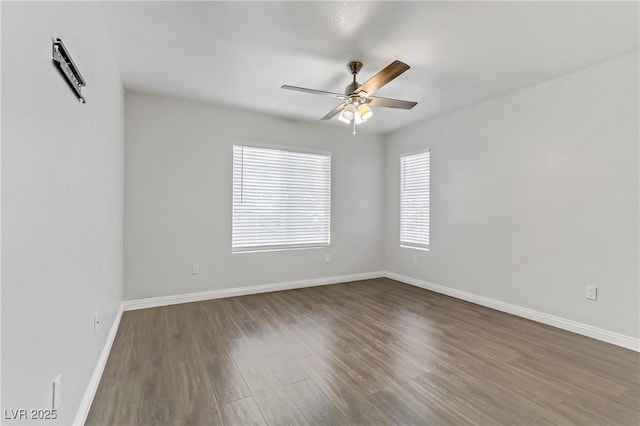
281,199
414,200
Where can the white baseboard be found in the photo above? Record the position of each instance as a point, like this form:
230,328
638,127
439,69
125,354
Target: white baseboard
153,302
555,321
90,392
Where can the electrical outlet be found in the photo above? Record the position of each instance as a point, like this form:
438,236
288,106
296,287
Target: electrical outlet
96,323
56,396
327,258
591,292
195,269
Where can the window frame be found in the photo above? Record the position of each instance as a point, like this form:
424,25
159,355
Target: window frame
406,244
281,247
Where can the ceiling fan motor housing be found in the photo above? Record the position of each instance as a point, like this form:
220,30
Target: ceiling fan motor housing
351,87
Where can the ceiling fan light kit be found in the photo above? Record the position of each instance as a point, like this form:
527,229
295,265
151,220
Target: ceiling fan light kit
357,97
365,112
349,112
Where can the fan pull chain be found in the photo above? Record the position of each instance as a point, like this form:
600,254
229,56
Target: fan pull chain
354,127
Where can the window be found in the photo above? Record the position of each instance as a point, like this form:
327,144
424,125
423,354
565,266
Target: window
414,200
281,199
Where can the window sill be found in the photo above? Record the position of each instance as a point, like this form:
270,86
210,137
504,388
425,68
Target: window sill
271,249
415,248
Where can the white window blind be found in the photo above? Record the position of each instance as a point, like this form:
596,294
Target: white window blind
414,200
281,199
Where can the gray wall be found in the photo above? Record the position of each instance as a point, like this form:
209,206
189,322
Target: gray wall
62,203
533,196
178,198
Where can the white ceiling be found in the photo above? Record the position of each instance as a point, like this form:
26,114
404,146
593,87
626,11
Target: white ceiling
238,54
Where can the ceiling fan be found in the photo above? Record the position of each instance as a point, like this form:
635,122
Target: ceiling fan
357,98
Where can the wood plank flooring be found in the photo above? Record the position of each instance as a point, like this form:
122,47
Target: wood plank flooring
370,352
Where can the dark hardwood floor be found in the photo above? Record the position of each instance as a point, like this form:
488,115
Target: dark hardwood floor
370,352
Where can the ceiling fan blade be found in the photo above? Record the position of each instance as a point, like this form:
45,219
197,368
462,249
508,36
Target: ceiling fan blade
313,91
392,70
333,112
390,103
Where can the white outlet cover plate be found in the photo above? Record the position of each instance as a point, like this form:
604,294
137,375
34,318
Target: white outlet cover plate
57,391
96,322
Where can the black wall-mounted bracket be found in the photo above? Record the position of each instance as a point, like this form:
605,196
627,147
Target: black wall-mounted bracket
62,60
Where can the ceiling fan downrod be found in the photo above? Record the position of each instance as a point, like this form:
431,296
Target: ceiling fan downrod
353,67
